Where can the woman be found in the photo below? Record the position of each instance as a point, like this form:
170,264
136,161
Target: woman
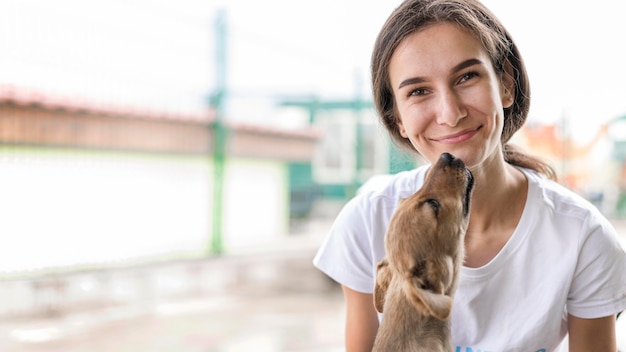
542,264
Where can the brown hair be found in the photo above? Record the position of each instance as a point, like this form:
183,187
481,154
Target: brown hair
413,15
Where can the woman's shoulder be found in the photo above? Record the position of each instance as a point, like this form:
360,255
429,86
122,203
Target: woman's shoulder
380,194
559,200
393,186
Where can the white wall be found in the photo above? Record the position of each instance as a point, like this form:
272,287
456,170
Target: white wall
65,208
256,205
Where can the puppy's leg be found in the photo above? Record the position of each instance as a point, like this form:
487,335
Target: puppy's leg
429,303
383,278
427,285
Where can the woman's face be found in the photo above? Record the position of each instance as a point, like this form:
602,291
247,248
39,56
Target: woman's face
448,96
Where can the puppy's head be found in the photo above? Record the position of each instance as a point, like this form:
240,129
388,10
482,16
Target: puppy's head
425,237
438,213
447,192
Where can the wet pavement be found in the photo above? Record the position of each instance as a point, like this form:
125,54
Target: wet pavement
296,321
263,299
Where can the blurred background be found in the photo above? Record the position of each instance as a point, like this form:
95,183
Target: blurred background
168,168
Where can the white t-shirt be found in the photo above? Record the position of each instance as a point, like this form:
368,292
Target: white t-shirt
564,257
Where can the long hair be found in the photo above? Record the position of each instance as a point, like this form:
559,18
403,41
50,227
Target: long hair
413,15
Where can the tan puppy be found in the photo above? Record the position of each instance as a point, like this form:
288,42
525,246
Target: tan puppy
424,243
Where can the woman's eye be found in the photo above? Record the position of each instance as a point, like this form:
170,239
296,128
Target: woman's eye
469,75
417,92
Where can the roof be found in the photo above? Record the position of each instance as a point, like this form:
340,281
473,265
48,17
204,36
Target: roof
27,97
306,133
31,97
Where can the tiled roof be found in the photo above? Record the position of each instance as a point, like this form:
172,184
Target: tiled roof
31,97
309,132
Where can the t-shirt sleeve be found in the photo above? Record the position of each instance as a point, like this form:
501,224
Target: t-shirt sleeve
599,284
346,254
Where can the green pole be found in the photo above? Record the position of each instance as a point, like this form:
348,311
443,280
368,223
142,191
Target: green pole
359,152
220,135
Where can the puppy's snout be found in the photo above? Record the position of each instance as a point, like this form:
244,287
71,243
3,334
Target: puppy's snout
456,165
449,159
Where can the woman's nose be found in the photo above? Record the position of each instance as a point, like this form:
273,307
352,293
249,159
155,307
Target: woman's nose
451,109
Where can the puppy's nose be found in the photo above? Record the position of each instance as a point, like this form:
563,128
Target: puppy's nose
447,157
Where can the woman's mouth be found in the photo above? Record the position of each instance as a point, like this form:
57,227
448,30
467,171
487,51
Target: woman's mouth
457,137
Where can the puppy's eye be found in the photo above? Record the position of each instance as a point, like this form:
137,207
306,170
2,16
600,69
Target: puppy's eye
433,203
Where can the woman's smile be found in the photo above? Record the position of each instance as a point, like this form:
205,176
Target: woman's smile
457,137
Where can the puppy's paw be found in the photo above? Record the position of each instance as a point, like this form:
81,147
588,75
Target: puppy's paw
428,302
439,305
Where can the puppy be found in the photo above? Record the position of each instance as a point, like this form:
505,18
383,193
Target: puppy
424,243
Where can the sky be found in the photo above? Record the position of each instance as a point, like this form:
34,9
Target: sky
161,53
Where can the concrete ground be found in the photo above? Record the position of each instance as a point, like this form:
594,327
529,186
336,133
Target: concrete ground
277,302
296,321
262,299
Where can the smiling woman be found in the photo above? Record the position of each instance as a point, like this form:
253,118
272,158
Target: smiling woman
447,77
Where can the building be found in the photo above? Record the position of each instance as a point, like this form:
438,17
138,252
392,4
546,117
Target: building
85,184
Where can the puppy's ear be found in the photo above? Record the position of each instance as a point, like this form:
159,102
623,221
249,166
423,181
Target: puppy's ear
383,277
430,303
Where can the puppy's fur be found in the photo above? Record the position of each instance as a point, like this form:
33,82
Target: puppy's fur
424,243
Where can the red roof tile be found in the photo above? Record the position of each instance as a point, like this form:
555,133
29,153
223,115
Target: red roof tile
31,97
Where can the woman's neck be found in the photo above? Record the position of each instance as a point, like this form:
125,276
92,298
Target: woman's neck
499,196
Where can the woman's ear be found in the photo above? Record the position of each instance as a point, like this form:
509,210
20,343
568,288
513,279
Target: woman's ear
401,128
507,85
